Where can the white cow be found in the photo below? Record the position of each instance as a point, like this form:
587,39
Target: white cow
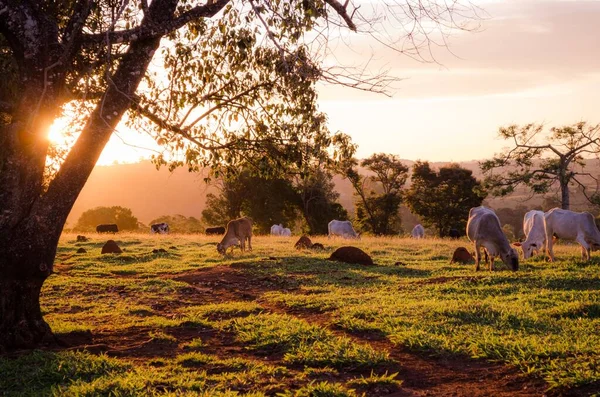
286,232
534,227
341,228
569,225
483,228
276,230
418,231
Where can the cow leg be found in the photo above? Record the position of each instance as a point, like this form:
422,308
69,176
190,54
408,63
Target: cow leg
249,243
477,256
492,262
585,248
583,253
549,244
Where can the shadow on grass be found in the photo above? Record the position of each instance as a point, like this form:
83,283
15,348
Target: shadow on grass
316,271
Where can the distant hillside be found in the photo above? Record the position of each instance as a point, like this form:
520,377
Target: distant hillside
148,192
151,193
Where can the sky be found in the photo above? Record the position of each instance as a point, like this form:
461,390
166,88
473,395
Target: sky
529,61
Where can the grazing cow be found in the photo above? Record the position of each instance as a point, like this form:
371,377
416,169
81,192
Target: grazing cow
454,233
569,225
160,228
341,228
238,231
534,227
483,228
108,228
286,232
215,230
418,231
276,230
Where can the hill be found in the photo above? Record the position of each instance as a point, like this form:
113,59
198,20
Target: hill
151,193
148,192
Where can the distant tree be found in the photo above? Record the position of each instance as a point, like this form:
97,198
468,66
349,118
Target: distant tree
270,201
91,218
378,197
319,200
542,165
509,232
443,199
180,223
267,201
514,217
227,205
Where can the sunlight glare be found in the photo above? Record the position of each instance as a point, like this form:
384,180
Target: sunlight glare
55,132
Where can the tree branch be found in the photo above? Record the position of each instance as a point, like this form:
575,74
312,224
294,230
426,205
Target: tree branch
342,10
157,29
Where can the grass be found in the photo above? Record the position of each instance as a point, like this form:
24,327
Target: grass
277,321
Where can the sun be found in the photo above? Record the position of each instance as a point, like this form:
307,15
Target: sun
55,132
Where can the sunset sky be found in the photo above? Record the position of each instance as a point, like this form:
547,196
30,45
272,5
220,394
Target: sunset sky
531,61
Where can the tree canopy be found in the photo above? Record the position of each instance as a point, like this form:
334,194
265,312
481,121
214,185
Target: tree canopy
270,201
540,161
122,217
379,195
443,198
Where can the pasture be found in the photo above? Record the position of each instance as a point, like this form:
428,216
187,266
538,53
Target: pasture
277,321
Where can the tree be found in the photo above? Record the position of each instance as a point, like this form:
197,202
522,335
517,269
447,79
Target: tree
378,196
540,166
91,218
443,199
237,82
514,217
180,223
319,200
267,201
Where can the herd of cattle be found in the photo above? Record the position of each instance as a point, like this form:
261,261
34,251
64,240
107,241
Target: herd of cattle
540,229
483,229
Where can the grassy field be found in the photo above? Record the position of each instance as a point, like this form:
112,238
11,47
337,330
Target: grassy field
278,321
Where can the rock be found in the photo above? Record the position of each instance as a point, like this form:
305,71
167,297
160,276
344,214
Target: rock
351,255
317,246
81,251
462,255
82,239
111,248
400,264
159,251
172,247
302,243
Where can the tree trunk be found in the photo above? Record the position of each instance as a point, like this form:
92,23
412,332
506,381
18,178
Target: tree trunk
565,198
21,322
26,260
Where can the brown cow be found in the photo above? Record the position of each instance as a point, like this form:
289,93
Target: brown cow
238,230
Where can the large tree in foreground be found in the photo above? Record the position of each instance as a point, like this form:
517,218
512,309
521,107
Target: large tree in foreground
215,81
542,161
443,198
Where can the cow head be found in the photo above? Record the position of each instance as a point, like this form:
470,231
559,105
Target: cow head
528,248
511,258
221,249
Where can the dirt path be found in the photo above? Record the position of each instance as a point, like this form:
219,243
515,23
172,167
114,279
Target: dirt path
422,375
